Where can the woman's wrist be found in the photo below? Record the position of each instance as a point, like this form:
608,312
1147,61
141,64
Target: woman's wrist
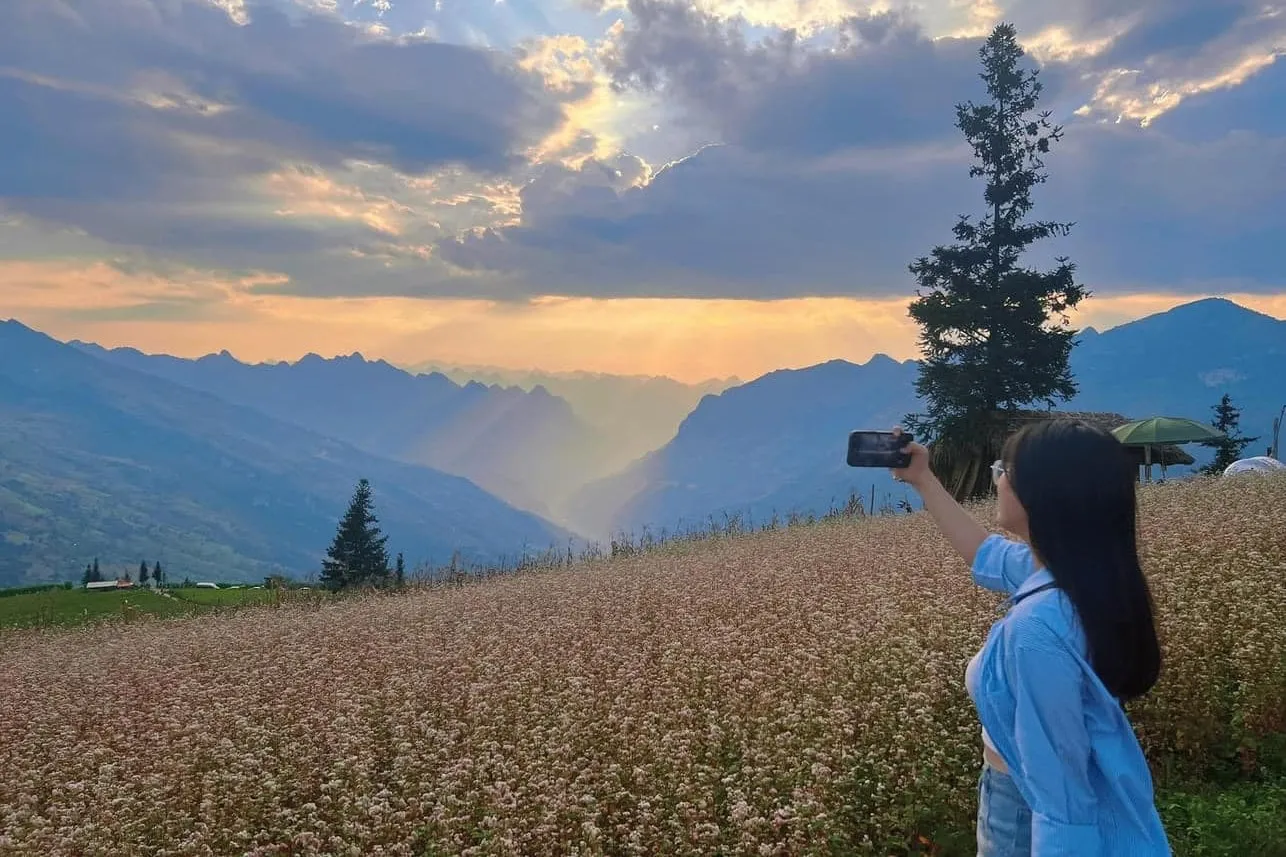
923,483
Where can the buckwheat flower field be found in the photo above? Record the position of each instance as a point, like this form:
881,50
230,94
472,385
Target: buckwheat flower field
799,691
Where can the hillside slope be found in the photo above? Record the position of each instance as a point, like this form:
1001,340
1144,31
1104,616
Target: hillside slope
99,460
1180,362
527,447
777,443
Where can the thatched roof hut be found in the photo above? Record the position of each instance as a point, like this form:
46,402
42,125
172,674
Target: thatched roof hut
963,467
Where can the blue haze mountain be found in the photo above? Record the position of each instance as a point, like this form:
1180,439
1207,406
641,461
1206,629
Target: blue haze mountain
97,459
777,443
526,447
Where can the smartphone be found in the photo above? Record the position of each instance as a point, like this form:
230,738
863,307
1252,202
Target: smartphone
878,449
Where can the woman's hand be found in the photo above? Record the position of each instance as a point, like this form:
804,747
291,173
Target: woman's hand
917,473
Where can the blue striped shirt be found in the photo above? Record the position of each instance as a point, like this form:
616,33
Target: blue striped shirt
1069,746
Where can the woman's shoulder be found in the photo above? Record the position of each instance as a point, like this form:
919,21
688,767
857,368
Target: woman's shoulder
1045,619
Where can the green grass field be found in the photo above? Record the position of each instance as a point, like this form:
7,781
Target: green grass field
67,607
223,597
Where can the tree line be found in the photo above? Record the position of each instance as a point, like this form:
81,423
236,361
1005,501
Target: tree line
94,574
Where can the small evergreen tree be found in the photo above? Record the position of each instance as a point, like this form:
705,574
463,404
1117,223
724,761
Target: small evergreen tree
98,575
985,319
357,556
1227,448
157,573
88,576
399,573
142,572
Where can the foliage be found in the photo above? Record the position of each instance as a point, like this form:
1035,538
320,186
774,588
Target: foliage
984,318
799,690
1246,819
357,555
28,590
1227,448
92,573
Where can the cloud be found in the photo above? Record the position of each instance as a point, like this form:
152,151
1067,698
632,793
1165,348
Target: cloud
309,155
838,164
1134,59
1150,56
166,125
723,223
876,79
727,223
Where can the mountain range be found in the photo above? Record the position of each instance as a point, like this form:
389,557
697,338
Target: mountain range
776,444
228,470
525,446
100,459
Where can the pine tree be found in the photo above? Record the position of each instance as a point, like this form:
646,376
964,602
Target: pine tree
1227,448
157,573
98,575
357,556
142,572
400,573
88,576
989,345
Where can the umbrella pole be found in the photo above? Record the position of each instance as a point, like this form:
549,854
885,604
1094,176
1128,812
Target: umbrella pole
1147,457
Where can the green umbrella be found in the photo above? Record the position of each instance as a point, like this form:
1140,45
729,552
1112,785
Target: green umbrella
1158,430
1155,430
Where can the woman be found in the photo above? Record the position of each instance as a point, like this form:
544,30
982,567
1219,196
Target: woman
1063,773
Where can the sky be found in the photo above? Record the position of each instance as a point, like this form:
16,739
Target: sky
705,189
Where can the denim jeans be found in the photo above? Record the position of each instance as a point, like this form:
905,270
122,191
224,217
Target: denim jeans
1004,820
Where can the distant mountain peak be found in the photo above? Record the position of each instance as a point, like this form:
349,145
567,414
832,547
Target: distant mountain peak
1218,309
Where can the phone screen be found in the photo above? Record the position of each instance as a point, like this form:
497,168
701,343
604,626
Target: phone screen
878,449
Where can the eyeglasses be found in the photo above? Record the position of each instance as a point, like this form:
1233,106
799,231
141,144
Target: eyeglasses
997,470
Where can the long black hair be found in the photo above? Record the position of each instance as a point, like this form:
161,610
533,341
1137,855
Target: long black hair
1078,488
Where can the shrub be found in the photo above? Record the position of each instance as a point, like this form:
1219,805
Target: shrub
27,590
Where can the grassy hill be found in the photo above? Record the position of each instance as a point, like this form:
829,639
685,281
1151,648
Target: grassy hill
793,691
69,607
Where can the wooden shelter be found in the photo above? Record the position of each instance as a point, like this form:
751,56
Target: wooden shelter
963,467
